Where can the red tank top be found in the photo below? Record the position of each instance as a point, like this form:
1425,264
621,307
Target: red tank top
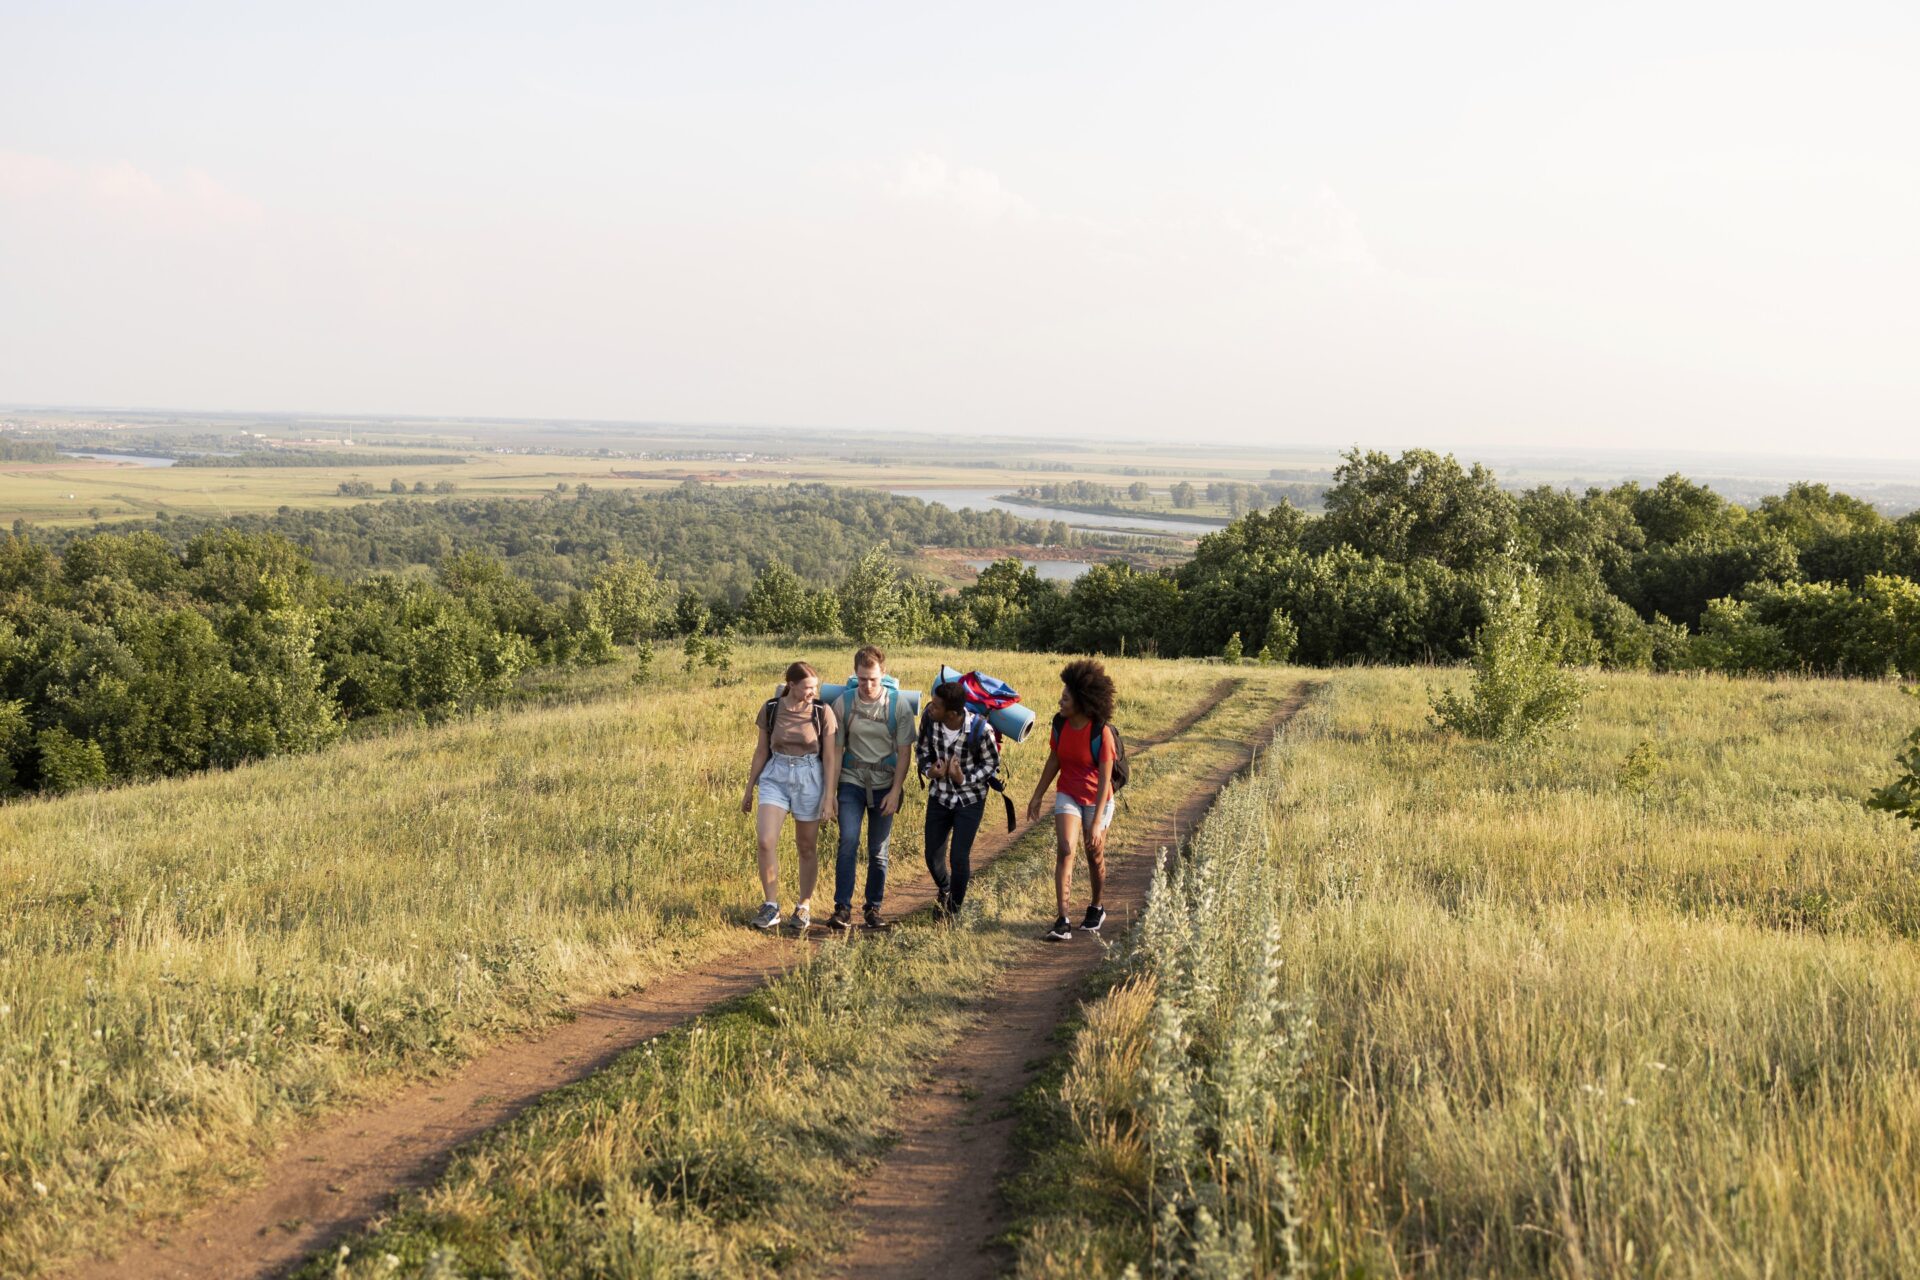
1079,778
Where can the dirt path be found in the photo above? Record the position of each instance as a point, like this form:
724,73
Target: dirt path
933,1206
345,1169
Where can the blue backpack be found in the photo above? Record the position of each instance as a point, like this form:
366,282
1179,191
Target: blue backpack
844,709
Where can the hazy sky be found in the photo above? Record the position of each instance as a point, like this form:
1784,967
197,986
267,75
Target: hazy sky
1637,224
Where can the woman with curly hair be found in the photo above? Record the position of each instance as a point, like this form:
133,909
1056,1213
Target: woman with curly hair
1081,753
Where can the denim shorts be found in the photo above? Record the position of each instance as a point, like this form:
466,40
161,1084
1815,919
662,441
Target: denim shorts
1064,803
796,784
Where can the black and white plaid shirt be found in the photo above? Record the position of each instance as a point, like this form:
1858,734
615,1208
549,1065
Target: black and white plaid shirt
979,760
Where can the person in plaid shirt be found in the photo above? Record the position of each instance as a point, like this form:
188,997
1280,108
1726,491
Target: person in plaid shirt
958,756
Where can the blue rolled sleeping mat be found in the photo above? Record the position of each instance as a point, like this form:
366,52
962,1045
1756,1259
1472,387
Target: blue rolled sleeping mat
909,699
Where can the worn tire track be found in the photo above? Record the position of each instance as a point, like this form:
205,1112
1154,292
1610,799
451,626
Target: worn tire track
933,1206
343,1169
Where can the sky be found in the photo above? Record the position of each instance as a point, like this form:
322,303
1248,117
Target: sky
1637,225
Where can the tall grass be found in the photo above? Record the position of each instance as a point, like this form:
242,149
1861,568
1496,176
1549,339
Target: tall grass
1174,1108
189,967
1639,1002
1586,1017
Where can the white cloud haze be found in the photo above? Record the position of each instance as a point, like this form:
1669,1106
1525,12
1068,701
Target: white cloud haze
1673,225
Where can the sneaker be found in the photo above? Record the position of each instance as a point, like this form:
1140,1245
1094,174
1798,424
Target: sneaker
1096,916
941,906
1062,930
768,917
842,919
874,919
802,919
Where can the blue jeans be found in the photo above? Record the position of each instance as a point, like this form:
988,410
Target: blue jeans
853,805
962,825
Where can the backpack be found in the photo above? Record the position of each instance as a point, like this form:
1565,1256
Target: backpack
1096,740
771,708
997,782
845,708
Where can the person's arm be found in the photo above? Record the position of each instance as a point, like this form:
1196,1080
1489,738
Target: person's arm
923,756
902,758
830,761
762,752
978,766
1047,775
1097,838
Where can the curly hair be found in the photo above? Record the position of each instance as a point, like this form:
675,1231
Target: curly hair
1091,687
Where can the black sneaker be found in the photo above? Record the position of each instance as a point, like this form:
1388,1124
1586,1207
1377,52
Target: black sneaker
841,920
1096,916
1062,930
941,907
875,920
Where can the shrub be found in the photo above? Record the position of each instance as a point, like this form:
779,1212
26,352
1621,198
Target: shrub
68,763
1901,797
1519,689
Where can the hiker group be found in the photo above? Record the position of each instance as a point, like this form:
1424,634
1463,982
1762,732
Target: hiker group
844,752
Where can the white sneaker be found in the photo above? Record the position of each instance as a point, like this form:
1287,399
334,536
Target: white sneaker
802,919
768,917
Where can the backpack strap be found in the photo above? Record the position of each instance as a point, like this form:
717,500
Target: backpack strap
819,728
893,727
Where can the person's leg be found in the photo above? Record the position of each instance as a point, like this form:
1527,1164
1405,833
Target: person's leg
939,826
806,838
879,839
966,824
852,803
766,827
1066,839
1096,858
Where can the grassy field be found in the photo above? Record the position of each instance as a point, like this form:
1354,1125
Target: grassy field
731,1147
1570,1017
188,968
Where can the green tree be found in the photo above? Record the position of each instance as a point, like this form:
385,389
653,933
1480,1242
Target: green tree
777,604
630,598
1419,505
1233,651
1519,689
1183,495
68,763
1282,638
691,614
871,606
16,740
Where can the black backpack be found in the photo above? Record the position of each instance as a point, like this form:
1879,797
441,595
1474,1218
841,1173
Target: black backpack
1095,738
770,709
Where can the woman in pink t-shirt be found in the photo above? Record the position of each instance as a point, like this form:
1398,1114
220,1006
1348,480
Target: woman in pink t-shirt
1084,801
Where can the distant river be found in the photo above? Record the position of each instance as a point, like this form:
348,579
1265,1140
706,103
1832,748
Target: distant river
1049,570
985,500
137,459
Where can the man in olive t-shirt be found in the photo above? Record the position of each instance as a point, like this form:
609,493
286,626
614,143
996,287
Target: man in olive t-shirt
879,734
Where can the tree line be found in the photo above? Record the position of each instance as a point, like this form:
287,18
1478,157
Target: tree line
191,644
